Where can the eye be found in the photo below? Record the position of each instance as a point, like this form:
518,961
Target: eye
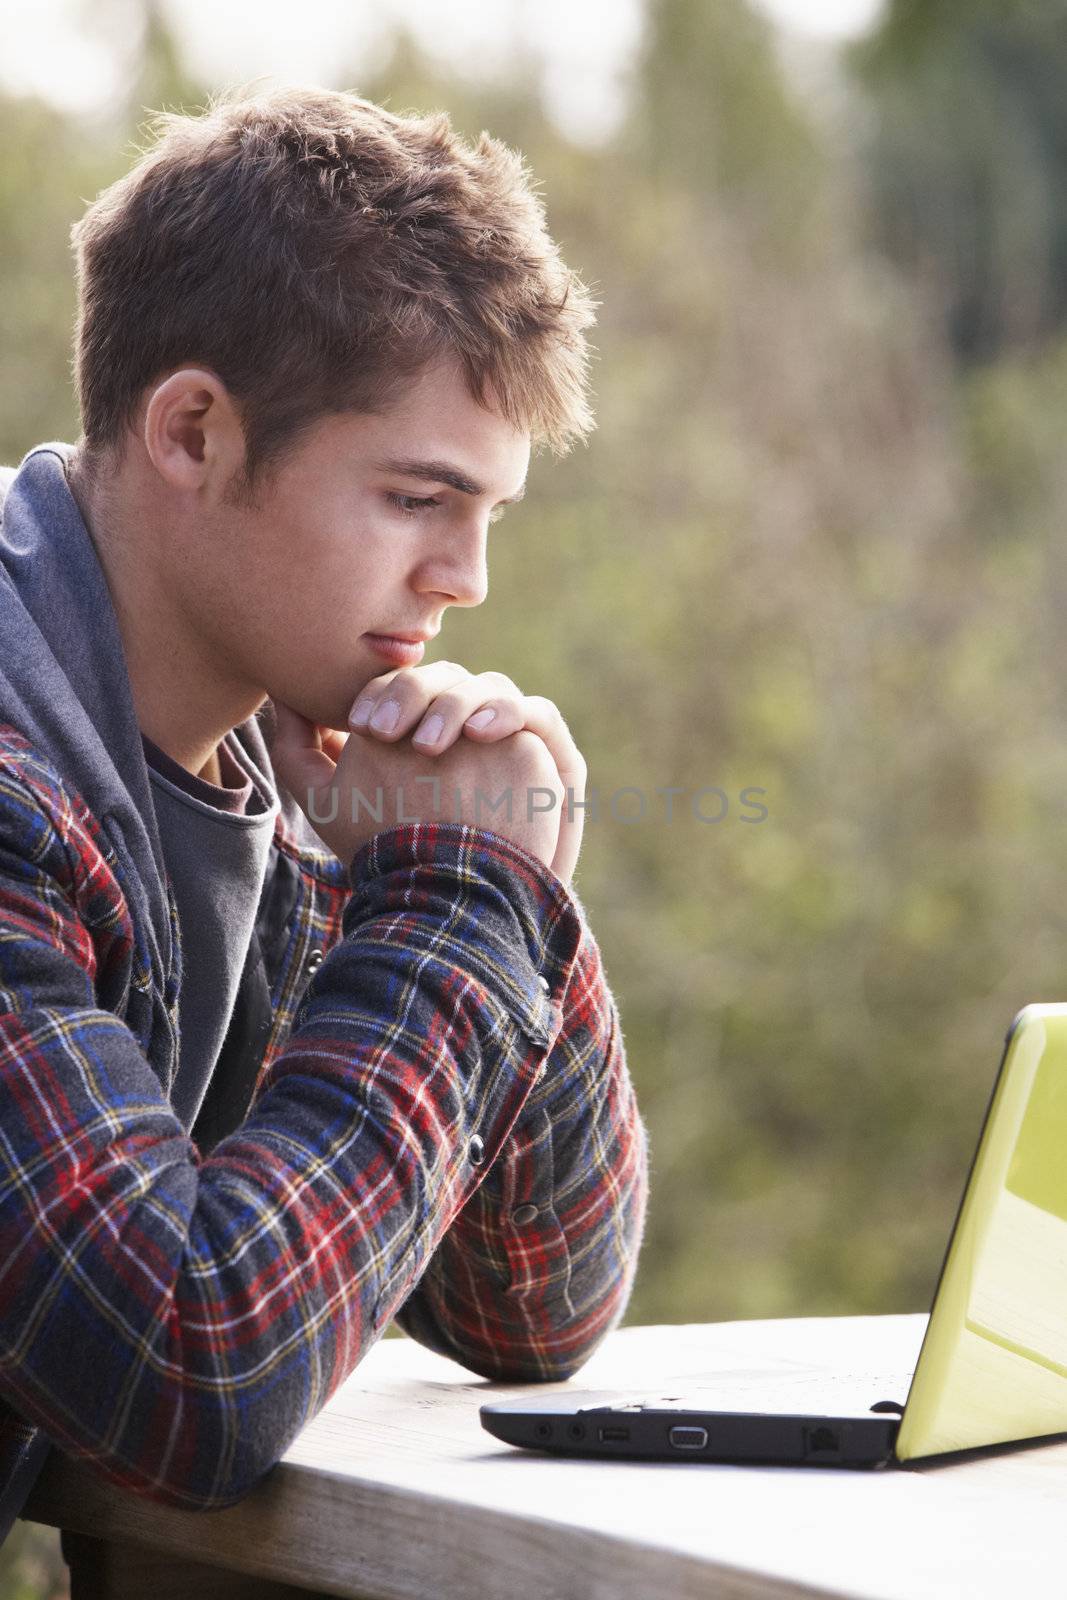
409,505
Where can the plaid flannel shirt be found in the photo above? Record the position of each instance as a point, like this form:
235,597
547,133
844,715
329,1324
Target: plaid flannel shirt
443,1131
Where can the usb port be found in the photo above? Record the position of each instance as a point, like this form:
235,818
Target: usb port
613,1435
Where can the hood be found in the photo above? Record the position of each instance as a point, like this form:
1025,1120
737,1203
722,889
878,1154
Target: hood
63,678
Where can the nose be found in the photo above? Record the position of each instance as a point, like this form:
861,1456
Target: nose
457,570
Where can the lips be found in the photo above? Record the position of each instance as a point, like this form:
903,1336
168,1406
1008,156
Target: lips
406,638
397,650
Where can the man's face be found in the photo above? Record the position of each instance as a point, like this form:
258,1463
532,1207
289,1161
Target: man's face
339,545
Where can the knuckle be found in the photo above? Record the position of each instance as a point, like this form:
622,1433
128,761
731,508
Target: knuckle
548,708
448,703
403,683
527,745
379,684
533,756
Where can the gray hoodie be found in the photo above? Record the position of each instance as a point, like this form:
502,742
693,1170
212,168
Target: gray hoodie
64,684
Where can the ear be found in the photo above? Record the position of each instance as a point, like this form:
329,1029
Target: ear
192,432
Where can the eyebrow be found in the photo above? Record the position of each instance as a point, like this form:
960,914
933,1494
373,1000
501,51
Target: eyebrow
439,472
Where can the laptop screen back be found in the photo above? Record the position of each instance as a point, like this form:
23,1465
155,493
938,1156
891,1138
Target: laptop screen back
993,1365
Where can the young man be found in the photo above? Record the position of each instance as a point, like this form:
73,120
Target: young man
277,1066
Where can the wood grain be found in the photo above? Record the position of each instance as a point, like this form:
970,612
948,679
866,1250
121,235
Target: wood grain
394,1492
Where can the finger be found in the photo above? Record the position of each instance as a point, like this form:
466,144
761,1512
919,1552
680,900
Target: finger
333,742
445,718
544,718
389,706
299,760
495,721
537,715
449,718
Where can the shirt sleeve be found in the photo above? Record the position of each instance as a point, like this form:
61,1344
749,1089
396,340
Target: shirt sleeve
175,1318
539,1264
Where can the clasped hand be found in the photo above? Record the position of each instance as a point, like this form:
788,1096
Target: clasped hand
477,733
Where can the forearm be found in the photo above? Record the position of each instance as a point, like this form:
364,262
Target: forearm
178,1319
539,1264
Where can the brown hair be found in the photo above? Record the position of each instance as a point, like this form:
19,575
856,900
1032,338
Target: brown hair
314,251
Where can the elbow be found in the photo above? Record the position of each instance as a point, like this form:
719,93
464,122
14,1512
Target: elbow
221,1462
575,1345
575,1340
564,1344
188,1494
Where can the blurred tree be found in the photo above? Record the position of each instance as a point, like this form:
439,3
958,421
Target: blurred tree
32,1565
45,168
710,113
967,150
163,81
53,165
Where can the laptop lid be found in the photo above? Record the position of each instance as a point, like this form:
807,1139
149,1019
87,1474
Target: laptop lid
993,1364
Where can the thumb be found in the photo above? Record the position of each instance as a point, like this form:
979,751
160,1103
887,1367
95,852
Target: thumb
296,753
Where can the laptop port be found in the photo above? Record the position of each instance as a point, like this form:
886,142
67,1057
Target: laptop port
822,1442
613,1435
682,1438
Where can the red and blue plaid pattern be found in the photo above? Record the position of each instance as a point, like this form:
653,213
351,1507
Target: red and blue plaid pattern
443,1131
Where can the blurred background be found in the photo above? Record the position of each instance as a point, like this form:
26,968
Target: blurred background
815,548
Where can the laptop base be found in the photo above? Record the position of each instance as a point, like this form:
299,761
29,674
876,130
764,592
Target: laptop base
650,1434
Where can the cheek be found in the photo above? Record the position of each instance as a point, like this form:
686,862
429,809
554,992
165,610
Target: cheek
323,575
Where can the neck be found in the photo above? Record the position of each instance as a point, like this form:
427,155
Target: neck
181,696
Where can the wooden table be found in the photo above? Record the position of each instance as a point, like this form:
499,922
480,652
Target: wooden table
395,1491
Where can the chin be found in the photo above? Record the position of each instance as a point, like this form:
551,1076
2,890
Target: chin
328,713
332,713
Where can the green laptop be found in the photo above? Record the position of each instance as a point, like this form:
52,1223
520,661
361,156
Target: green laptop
992,1369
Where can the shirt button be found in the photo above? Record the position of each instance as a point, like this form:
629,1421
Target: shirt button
544,984
314,961
522,1215
476,1151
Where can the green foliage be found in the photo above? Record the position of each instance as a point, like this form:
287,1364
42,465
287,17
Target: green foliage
908,28
43,172
32,1565
967,147
710,113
